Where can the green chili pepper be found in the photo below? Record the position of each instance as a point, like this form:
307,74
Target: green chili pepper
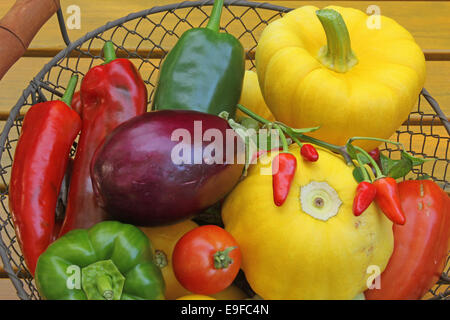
203,72
110,261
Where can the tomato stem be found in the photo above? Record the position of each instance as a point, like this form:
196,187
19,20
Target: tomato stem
222,259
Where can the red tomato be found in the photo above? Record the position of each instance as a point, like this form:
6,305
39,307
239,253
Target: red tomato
206,260
420,245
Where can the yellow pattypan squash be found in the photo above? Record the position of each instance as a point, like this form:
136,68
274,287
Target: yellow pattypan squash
335,69
251,97
311,247
163,240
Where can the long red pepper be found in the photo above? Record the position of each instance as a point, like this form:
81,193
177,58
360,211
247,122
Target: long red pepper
388,199
111,94
40,162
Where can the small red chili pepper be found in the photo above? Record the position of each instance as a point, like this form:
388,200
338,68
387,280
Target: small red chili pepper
282,176
388,199
365,194
375,154
309,153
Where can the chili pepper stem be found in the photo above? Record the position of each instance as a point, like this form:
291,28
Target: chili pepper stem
68,94
338,149
379,174
252,114
109,52
364,173
377,139
216,13
283,138
222,259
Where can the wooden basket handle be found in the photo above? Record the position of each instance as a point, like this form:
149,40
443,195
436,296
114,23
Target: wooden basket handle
19,26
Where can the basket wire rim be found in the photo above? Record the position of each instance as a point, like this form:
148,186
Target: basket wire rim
36,82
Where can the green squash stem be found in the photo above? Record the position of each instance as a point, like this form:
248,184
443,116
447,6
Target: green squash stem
337,54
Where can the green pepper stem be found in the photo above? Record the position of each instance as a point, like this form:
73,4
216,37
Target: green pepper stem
337,54
104,285
109,52
379,174
222,259
216,13
102,280
68,95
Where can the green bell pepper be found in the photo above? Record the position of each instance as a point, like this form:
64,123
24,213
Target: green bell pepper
110,261
204,71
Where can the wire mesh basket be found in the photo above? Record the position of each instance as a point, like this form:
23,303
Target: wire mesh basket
146,37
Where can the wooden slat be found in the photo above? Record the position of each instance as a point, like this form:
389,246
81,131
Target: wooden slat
427,21
25,69
7,290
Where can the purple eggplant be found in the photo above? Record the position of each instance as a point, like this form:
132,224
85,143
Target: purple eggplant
165,166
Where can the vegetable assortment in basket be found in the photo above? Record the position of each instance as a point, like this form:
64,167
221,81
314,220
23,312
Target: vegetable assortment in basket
306,203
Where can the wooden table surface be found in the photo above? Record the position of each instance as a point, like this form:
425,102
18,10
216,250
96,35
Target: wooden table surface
428,21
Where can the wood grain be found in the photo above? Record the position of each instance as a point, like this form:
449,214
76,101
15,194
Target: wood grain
426,20
7,290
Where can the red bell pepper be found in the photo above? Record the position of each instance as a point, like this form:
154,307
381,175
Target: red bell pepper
111,94
420,246
40,162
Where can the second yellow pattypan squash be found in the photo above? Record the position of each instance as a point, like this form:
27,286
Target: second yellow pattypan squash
251,97
311,247
334,69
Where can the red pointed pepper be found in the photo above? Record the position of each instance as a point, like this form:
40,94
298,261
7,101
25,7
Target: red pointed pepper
365,194
283,176
388,199
40,162
111,94
375,154
309,153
